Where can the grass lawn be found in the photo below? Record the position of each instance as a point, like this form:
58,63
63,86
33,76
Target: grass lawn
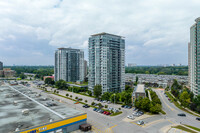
177,104
114,114
195,128
184,129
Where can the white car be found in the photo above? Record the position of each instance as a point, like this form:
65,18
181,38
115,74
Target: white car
140,122
130,117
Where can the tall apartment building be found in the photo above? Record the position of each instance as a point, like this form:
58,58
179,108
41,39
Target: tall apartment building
1,65
69,64
107,62
194,57
85,69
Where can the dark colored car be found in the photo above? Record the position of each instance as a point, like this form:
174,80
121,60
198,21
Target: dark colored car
122,106
86,106
181,114
141,112
94,109
129,107
198,118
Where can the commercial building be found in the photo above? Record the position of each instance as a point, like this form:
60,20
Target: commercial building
69,64
132,64
139,91
194,57
45,77
7,73
1,65
26,111
106,62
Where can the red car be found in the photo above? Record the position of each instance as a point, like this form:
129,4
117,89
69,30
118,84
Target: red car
104,112
108,113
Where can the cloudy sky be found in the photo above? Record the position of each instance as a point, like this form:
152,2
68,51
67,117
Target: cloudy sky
156,31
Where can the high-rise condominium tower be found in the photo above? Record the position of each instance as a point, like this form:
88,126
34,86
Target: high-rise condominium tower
1,65
106,62
69,64
194,57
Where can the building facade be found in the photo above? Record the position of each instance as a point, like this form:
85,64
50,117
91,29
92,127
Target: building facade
69,64
85,69
1,65
194,58
107,62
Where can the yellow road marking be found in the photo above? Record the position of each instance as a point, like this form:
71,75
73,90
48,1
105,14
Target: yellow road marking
137,124
153,122
166,103
171,122
113,126
97,130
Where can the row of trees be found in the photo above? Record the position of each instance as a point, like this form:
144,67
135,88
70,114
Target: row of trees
122,97
145,104
185,96
170,70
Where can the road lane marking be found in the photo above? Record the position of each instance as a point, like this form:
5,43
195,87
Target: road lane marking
171,122
153,122
136,124
166,103
113,126
175,130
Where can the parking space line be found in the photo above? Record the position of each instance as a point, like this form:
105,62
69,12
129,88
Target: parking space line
153,122
113,126
136,124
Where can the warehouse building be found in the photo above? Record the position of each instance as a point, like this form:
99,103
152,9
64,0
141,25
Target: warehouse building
25,111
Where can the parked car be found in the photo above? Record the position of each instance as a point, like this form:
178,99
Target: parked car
134,109
122,106
130,117
141,112
109,102
104,112
94,109
98,110
108,113
86,106
198,118
129,107
104,101
140,122
181,114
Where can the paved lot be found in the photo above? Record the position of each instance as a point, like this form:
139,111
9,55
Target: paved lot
120,124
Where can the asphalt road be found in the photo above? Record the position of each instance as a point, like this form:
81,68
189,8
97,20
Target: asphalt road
172,111
107,124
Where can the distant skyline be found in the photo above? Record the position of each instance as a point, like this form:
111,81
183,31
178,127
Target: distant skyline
156,32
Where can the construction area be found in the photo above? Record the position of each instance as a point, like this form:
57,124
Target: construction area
25,111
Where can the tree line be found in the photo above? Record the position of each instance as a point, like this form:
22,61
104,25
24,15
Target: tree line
170,70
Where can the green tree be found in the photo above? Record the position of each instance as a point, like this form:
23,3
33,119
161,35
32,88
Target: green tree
97,91
145,104
61,84
155,109
115,98
22,76
184,99
49,81
106,96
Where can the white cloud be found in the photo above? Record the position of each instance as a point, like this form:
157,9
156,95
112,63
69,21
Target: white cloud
148,25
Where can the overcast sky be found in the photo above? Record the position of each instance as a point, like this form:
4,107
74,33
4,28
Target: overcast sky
155,31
